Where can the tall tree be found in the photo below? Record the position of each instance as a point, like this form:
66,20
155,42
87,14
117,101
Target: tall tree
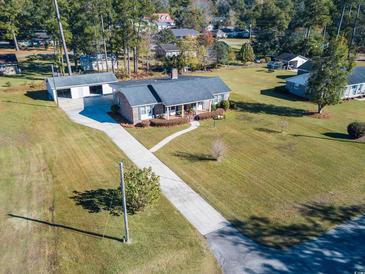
246,53
328,79
10,18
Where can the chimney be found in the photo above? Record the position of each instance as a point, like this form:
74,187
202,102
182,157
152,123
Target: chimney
174,74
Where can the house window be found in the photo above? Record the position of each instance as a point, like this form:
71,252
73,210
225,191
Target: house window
145,112
218,98
354,89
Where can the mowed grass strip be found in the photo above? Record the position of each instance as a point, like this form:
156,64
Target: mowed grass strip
151,136
55,177
279,188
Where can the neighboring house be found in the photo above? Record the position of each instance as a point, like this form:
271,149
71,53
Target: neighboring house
183,33
163,21
98,62
291,61
305,68
167,50
355,87
168,97
219,34
9,64
79,86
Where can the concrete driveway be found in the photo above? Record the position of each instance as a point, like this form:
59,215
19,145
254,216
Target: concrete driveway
342,250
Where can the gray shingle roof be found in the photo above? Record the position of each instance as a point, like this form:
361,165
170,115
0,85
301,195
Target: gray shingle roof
169,47
64,82
184,32
307,66
186,89
183,92
357,76
140,95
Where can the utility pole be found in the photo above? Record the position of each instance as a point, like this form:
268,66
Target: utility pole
62,37
122,186
105,52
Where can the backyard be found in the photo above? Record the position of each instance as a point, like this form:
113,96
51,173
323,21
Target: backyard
280,188
57,213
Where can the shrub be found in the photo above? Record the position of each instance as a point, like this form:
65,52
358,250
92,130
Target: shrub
144,123
168,123
214,107
115,108
225,105
356,130
210,115
142,188
218,150
232,105
7,84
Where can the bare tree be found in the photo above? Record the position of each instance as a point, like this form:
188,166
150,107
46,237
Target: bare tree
218,150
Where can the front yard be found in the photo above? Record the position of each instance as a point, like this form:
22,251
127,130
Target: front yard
56,211
278,188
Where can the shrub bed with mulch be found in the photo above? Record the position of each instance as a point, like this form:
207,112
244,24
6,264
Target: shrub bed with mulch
210,115
169,123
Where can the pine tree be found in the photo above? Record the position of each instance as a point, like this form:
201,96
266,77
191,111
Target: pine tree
246,53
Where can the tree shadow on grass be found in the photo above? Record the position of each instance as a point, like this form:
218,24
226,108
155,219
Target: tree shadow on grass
41,95
317,216
337,135
269,109
332,138
194,157
78,230
281,93
98,200
267,130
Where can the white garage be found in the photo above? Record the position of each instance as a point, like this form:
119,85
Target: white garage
79,86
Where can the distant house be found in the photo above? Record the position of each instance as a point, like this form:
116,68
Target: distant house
183,33
219,34
355,88
163,21
9,64
167,50
168,97
305,68
98,62
79,86
291,61
231,32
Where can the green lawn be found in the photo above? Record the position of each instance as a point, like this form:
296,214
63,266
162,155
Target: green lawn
32,72
278,188
151,136
54,202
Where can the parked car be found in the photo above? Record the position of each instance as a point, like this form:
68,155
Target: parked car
275,65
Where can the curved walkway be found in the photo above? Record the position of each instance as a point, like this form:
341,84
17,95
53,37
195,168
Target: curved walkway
342,250
193,125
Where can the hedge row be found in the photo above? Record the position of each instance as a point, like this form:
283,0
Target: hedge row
210,115
169,123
